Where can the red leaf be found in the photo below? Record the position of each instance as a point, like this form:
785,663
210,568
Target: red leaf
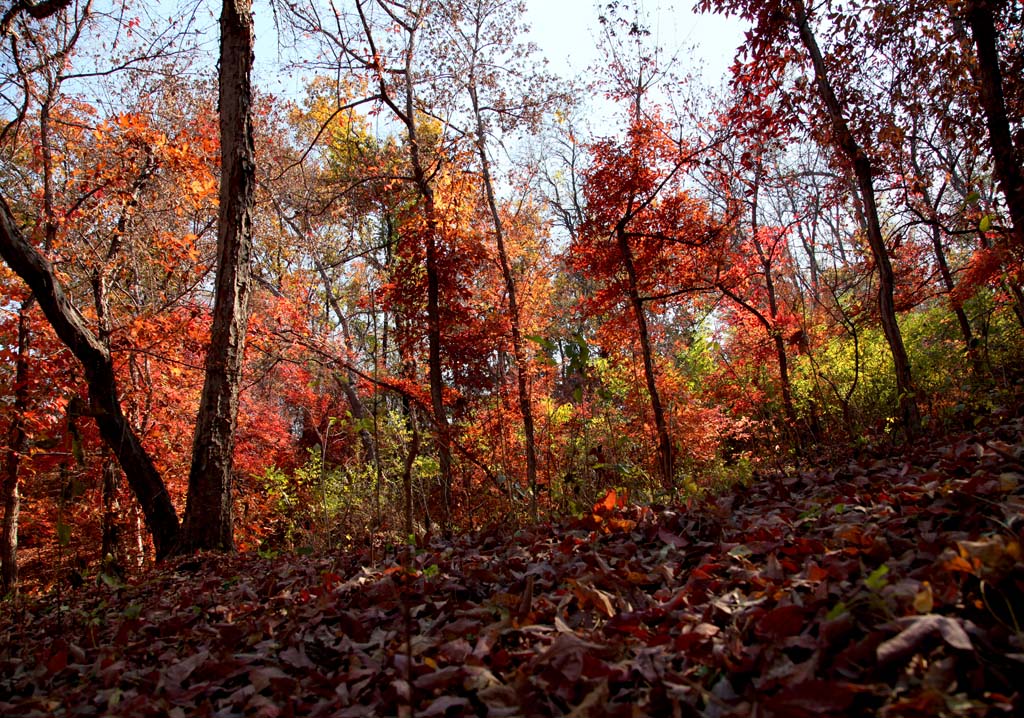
673,540
58,659
782,622
812,698
180,671
296,657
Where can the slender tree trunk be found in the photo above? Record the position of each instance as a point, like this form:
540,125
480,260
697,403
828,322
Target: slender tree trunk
139,536
988,77
16,444
108,529
773,312
434,367
345,382
666,460
105,402
412,452
358,411
111,530
208,512
406,113
407,116
970,345
444,450
522,368
846,143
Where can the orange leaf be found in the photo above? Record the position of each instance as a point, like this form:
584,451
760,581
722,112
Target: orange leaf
958,563
608,503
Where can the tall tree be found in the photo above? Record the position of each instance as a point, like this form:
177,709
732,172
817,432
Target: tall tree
645,237
209,517
981,17
382,41
784,30
104,396
751,277
485,31
208,522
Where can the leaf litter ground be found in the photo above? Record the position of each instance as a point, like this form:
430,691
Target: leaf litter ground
891,586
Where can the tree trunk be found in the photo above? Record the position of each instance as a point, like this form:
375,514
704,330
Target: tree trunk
522,370
970,344
665,458
444,450
104,399
16,443
345,382
111,530
407,468
988,77
845,142
406,114
773,310
208,513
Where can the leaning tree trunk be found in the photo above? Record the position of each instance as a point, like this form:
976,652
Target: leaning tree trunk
666,461
846,143
208,512
989,80
105,402
522,369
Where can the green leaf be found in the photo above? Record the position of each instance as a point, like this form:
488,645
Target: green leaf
544,343
111,581
877,580
972,198
836,611
740,551
986,223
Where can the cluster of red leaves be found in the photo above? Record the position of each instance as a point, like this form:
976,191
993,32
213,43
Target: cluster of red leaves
889,587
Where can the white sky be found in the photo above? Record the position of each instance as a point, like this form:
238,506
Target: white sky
566,33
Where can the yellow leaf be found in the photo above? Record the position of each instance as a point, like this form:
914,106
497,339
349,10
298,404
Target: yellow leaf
924,602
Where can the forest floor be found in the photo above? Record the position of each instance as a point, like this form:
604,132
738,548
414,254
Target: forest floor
889,586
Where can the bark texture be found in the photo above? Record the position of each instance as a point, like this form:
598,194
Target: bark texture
208,523
989,79
16,444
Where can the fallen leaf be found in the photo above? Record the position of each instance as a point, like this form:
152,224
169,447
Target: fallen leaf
917,630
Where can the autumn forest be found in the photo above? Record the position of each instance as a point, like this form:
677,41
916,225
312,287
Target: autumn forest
690,398
437,292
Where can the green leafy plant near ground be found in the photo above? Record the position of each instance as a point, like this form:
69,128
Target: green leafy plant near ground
939,360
